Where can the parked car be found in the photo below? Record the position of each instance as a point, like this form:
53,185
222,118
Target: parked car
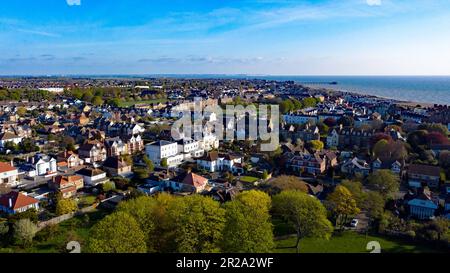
354,223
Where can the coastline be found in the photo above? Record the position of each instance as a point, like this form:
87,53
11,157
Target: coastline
406,103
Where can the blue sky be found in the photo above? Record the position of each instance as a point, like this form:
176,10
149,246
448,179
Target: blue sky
285,37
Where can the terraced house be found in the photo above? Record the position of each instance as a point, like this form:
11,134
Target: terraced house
307,163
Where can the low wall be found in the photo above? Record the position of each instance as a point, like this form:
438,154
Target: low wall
65,217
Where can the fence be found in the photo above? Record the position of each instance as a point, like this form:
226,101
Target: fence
65,217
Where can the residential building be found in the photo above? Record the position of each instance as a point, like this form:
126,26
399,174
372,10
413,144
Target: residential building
356,166
69,159
333,139
394,165
9,175
190,148
135,143
115,166
116,147
423,206
92,177
16,202
67,185
214,162
157,151
43,165
307,163
420,175
92,152
9,137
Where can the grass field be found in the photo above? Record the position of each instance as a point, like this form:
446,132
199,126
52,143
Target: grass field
75,229
349,242
248,179
132,103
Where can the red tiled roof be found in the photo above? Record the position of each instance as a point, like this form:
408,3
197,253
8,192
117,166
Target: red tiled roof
5,167
195,180
19,200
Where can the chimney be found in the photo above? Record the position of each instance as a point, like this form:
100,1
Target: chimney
12,162
10,202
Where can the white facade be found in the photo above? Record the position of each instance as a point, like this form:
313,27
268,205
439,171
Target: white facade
209,142
135,130
164,149
45,165
190,148
94,180
15,140
10,178
222,163
299,119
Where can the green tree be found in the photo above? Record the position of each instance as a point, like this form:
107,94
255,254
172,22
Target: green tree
198,224
117,233
97,100
385,182
108,186
374,205
4,228
304,213
309,102
148,163
286,106
316,145
24,232
114,102
265,175
248,228
284,183
21,111
356,189
380,148
342,205
142,209
164,163
65,206
440,226
87,96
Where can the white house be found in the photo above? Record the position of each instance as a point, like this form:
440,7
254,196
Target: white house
209,142
135,130
162,149
9,137
9,175
214,162
43,165
190,148
92,177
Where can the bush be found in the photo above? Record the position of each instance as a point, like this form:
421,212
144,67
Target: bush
108,186
24,232
66,206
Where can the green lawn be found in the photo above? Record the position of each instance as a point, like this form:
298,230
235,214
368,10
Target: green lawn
349,242
132,103
75,229
87,200
248,179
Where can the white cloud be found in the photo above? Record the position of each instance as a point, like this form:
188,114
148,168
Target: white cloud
73,2
373,2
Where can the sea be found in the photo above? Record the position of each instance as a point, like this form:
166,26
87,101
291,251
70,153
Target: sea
423,89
